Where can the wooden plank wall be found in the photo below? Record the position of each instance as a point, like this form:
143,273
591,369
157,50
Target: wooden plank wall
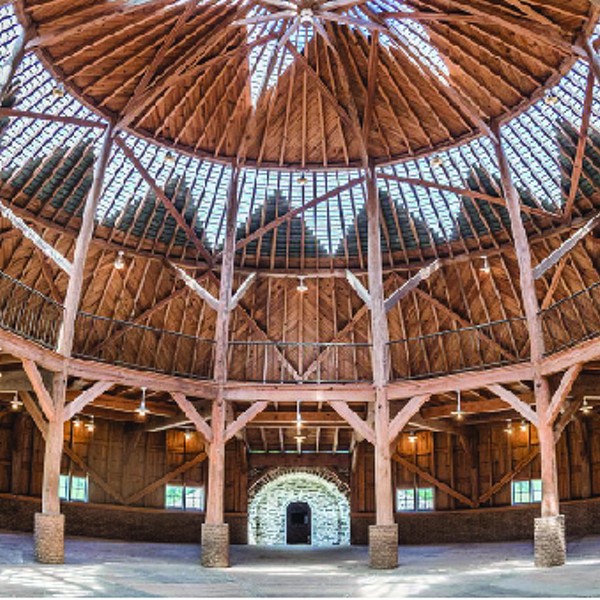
496,454
128,460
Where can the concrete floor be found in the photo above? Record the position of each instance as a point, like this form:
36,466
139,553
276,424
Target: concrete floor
116,569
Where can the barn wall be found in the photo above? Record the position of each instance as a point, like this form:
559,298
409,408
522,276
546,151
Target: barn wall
124,460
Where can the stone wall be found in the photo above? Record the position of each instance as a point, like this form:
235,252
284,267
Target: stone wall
330,509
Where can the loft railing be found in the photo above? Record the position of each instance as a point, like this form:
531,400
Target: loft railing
36,317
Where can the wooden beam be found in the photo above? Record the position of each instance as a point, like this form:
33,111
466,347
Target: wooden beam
440,485
191,283
166,201
288,216
513,400
74,289
361,427
524,462
36,239
581,144
43,395
404,416
241,291
467,193
562,392
565,247
571,408
371,86
407,287
359,288
186,466
243,419
40,116
189,410
85,398
34,412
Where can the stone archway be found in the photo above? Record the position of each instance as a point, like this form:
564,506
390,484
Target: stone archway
326,495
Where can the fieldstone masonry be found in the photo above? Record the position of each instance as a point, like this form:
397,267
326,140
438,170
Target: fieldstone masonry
549,541
215,545
383,546
49,535
330,509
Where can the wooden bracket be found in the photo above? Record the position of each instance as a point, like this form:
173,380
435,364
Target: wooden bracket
513,400
35,413
43,396
399,422
37,240
192,414
359,288
85,398
243,419
361,427
196,287
242,290
562,392
411,284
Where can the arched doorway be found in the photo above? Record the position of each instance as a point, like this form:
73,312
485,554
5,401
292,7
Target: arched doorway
299,506
299,523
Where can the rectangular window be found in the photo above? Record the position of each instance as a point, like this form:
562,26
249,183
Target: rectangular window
527,491
184,497
73,488
410,499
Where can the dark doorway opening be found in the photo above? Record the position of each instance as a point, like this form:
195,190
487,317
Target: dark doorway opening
298,523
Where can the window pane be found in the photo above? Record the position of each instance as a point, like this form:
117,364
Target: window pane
521,492
405,500
194,498
79,489
63,487
536,490
174,496
425,499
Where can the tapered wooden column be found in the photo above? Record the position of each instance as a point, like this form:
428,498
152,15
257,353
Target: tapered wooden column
549,530
383,536
73,296
215,532
49,525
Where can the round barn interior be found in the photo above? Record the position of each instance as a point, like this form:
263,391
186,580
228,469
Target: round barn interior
349,238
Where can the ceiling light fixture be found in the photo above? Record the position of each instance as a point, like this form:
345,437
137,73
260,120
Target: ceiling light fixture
412,437
90,425
141,409
15,403
523,425
485,267
458,413
120,260
437,161
550,99
302,179
77,422
301,287
509,428
586,408
169,157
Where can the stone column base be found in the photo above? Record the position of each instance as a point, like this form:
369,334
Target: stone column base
215,545
549,541
383,546
49,536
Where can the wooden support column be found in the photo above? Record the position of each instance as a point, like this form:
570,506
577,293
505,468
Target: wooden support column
215,532
383,536
550,548
50,523
73,296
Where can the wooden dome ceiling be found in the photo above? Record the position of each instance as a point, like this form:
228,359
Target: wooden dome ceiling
301,83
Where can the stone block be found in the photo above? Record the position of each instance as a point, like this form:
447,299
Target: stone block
49,536
215,545
383,546
549,541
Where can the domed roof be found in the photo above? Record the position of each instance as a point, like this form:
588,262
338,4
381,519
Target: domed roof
303,83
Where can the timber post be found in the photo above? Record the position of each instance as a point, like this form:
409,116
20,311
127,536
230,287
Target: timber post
215,532
50,523
549,540
383,536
